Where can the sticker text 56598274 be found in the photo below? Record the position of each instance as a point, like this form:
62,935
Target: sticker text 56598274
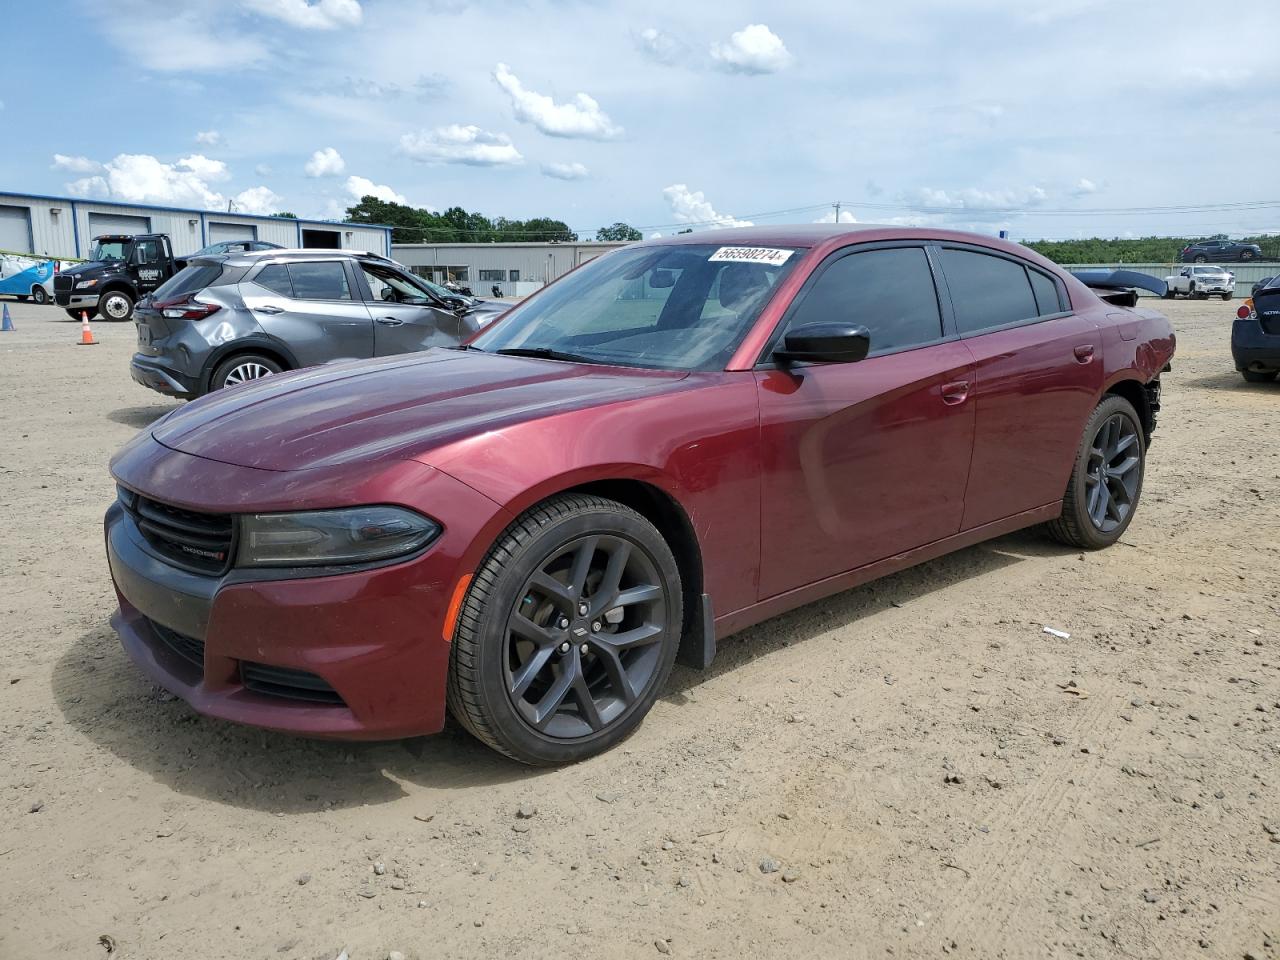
769,256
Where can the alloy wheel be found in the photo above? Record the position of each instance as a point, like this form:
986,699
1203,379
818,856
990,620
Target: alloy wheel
116,307
1113,472
245,372
583,641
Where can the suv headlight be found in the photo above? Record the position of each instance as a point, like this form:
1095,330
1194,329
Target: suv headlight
325,537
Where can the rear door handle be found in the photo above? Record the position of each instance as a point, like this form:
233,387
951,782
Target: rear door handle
269,309
955,393
389,321
1084,352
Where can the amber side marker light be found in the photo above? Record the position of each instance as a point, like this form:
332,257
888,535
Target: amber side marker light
455,607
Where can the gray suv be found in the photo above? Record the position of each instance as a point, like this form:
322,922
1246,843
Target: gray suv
228,318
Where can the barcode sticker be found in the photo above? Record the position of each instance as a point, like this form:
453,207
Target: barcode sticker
765,255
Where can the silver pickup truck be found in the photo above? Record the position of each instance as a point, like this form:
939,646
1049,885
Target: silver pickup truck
1200,283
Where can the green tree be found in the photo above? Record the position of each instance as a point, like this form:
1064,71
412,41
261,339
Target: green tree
285,215
618,232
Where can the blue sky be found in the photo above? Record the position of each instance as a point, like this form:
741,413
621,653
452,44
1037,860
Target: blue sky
982,114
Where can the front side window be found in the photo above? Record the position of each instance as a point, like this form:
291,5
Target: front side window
391,286
321,280
987,291
147,251
667,307
890,292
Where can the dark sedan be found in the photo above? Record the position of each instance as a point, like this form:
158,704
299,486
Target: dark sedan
1255,335
673,442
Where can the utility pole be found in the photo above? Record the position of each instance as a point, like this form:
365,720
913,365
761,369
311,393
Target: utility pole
837,206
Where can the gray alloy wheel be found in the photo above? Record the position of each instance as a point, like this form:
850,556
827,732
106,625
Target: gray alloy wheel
1246,255
567,633
1106,479
1201,258
242,369
115,305
39,295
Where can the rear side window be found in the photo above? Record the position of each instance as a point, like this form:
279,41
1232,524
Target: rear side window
890,292
325,280
1048,299
188,280
987,291
275,277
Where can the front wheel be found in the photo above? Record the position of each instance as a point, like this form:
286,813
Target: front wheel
116,305
1106,479
40,295
1246,256
1227,296
567,633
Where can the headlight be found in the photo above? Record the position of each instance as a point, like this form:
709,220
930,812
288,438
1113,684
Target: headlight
321,537
86,283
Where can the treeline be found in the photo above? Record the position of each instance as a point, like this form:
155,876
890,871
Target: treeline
455,225
1133,250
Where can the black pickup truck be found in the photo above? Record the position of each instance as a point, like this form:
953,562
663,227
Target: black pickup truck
121,271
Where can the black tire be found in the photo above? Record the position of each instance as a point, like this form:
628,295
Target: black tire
116,305
1259,376
1226,297
39,295
75,314
1078,526
1201,258
1169,293
490,685
21,297
242,368
1246,256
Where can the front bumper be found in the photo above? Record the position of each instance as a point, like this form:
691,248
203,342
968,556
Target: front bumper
75,301
150,373
371,638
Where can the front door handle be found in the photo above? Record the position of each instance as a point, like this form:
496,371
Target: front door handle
1084,352
269,309
955,393
389,321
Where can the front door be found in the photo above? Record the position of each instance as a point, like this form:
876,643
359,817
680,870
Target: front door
148,265
862,461
309,305
406,316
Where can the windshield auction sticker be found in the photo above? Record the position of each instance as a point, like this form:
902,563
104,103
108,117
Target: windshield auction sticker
766,255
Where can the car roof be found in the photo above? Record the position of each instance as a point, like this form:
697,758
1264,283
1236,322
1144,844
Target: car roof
246,258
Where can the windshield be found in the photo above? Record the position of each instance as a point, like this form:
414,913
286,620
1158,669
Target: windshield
670,307
435,288
110,250
394,287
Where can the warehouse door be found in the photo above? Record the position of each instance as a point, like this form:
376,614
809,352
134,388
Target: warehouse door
15,229
219,232
114,223
321,239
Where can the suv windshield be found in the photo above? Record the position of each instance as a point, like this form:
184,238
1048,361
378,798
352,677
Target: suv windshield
110,250
669,307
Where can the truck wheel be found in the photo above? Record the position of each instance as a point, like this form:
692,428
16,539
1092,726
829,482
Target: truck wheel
1227,296
116,305
241,369
1191,292
75,314
39,295
1170,293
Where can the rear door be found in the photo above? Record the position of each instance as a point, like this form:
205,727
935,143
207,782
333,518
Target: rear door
312,307
1038,373
406,316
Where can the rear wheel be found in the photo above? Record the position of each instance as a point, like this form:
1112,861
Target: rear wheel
1227,296
1259,376
1106,479
241,369
116,305
1201,258
567,633
39,295
1246,256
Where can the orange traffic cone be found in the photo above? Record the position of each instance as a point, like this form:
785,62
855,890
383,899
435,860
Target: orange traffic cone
86,335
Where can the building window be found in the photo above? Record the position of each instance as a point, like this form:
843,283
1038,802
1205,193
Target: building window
489,276
514,276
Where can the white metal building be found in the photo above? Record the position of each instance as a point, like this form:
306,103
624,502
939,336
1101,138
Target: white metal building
517,268
63,228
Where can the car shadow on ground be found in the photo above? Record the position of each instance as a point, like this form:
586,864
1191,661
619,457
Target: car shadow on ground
139,417
1231,382
846,608
107,700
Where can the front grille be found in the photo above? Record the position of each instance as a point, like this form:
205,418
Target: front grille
188,648
197,541
286,682
62,283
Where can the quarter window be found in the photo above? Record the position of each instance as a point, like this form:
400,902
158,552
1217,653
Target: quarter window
1048,299
322,280
987,291
890,292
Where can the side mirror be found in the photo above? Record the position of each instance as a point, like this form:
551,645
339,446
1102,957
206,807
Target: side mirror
825,343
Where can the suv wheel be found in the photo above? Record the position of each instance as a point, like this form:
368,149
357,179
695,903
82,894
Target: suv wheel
1246,255
116,305
1201,258
241,369
567,633
39,295
1106,480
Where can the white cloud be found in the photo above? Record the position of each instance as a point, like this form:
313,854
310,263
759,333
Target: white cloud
845,217
565,171
258,200
75,164
325,163
320,15
1084,187
971,198
753,49
582,117
204,168
89,187
692,207
460,144
160,35
360,187
660,46
209,138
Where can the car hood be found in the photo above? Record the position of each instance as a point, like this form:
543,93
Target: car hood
392,408
91,266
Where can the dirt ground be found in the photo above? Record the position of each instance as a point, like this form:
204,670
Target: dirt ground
1114,795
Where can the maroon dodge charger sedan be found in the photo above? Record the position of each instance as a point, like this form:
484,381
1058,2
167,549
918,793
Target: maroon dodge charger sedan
673,442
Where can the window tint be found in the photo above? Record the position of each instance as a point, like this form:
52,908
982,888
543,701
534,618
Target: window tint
1046,291
188,280
987,291
326,280
890,292
147,251
275,277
